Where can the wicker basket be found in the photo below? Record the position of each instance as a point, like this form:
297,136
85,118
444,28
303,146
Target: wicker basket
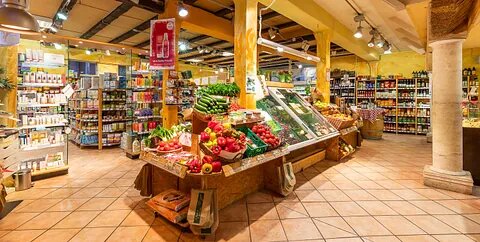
224,156
339,123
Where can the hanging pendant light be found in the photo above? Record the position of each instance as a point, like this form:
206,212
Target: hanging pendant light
14,18
358,19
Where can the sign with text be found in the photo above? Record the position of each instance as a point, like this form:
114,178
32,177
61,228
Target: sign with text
162,44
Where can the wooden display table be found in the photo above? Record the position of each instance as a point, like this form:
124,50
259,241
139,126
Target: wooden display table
471,152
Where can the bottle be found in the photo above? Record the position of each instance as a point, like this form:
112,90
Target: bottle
465,71
136,147
165,46
469,72
474,71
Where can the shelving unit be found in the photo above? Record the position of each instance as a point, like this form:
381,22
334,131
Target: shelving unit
406,101
344,87
470,85
41,109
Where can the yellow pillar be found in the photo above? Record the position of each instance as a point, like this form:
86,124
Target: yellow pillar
9,62
323,52
245,47
170,112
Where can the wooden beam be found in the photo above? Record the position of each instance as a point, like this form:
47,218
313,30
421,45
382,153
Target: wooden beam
156,6
143,44
104,22
224,11
290,56
201,21
270,15
139,28
474,16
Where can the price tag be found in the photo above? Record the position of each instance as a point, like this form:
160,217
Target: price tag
68,91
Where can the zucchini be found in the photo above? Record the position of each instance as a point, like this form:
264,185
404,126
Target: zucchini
204,104
200,108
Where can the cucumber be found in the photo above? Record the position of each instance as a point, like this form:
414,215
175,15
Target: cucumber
221,99
200,108
204,104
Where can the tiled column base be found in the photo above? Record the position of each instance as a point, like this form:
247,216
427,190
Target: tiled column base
455,183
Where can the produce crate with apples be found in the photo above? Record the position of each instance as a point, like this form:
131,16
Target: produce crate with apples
223,142
256,146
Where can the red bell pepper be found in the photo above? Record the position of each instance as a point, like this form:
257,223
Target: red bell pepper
222,142
207,159
212,124
216,149
204,137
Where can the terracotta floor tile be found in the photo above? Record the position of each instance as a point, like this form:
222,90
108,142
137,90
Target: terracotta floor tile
32,193
139,217
236,212
300,229
161,233
334,195
431,225
262,211
366,226
267,230
368,185
292,197
123,203
21,236
384,195
355,239
77,219
62,193
408,194
432,207
188,236
109,218
79,183
359,195
233,231
57,235
103,182
259,197
14,220
376,208
44,220
348,209
303,185
417,238
112,192
68,204
124,182
309,196
432,194
92,235
457,195
381,239
390,184
404,208
460,223
375,176
453,238
345,185
398,225
320,209
323,185
133,234
333,227
411,183
39,205
458,206
291,210
87,192
97,203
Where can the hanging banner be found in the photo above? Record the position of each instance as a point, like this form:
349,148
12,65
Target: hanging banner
162,44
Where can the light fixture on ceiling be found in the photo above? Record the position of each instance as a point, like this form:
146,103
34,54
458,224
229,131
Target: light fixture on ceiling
88,52
216,72
14,18
358,19
200,49
206,50
44,36
221,70
299,66
305,45
182,11
387,48
57,46
80,42
182,45
371,43
281,48
272,33
380,42
195,60
63,15
75,45
53,29
107,52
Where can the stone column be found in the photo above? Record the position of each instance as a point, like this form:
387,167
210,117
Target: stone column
446,119
323,52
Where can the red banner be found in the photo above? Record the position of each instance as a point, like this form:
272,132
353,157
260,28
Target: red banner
162,44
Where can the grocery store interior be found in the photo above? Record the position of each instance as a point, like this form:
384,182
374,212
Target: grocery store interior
239,120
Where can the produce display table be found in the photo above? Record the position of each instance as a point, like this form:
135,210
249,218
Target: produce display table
237,179
373,124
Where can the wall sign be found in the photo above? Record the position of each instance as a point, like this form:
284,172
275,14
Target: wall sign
162,44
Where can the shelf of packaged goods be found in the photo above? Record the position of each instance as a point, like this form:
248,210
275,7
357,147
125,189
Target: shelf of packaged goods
114,99
390,115
49,170
39,147
338,88
279,84
423,116
406,98
114,109
85,130
114,131
88,145
388,122
422,132
41,65
389,88
406,107
406,88
386,97
142,89
406,122
38,105
142,132
424,123
148,117
116,120
387,106
146,102
366,97
406,132
423,97
41,126
348,97
365,89
87,120
389,130
424,88
40,85
424,107
114,89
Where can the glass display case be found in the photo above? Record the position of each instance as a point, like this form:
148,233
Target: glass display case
302,124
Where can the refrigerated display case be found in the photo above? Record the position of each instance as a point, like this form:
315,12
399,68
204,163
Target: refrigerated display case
301,123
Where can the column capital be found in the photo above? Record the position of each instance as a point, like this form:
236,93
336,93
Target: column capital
437,43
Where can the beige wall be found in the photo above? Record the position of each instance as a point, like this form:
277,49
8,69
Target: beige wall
398,63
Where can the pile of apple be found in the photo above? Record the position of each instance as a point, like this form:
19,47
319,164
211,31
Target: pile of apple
264,133
171,145
206,166
218,137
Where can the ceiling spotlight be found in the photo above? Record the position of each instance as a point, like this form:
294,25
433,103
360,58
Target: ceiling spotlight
225,53
380,42
14,17
272,33
216,72
182,11
182,46
123,48
107,52
88,52
75,45
80,42
309,58
221,70
206,50
299,66
387,48
200,49
371,43
57,46
44,36
214,52
305,45
63,15
358,19
279,49
53,29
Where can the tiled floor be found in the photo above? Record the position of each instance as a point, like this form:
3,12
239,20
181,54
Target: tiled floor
377,195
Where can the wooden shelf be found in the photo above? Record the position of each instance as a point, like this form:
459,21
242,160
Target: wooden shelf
280,84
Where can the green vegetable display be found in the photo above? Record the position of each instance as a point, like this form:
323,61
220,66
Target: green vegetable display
211,105
221,89
162,133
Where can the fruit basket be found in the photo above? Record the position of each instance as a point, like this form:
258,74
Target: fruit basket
258,147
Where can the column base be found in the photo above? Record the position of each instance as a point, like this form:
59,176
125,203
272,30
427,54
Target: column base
455,183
